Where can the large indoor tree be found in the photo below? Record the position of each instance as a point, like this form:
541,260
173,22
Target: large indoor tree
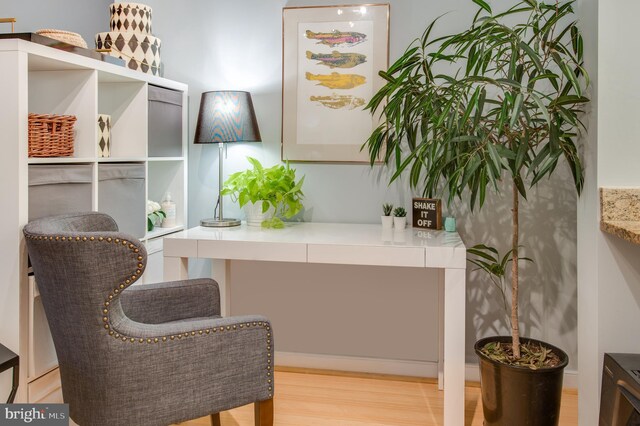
463,113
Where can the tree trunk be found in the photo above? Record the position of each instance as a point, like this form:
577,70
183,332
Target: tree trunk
515,327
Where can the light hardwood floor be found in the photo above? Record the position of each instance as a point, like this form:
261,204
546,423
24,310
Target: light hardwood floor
312,398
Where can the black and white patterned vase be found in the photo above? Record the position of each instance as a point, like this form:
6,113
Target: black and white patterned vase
140,51
130,17
104,135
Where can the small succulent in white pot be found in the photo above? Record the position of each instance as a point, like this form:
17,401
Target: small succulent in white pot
399,218
386,218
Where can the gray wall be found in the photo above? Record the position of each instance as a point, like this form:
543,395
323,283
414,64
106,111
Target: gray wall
613,297
78,16
237,45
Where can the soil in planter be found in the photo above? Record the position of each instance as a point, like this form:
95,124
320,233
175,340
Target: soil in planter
532,355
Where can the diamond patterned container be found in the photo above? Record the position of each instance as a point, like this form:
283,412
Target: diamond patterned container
130,38
104,135
141,51
130,17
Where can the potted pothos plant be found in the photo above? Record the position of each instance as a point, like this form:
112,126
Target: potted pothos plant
496,107
266,193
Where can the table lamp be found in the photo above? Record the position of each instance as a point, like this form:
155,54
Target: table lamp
225,116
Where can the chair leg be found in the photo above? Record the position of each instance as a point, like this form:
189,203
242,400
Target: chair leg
264,412
14,386
215,419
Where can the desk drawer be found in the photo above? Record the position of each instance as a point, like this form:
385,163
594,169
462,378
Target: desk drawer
367,255
253,250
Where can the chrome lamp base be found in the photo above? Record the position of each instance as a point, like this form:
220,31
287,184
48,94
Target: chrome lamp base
219,223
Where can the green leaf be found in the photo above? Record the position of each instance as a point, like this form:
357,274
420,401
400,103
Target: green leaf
517,180
483,5
255,163
545,169
274,186
496,162
521,154
482,254
515,112
470,170
483,186
568,72
569,100
485,248
541,107
535,58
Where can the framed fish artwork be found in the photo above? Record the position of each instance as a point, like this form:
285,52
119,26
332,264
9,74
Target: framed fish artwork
331,56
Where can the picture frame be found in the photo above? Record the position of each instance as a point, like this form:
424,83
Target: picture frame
331,56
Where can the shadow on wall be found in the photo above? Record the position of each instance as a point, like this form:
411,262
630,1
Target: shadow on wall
548,287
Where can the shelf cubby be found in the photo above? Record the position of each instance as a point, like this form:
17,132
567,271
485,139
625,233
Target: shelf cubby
71,92
163,176
126,103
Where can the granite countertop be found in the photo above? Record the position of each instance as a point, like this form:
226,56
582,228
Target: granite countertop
620,213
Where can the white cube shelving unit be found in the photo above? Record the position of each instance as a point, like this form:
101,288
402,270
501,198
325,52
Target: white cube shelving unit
44,80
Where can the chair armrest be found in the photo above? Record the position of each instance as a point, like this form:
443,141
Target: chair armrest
171,301
129,329
219,363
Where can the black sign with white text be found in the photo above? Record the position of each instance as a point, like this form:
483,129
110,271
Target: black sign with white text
427,213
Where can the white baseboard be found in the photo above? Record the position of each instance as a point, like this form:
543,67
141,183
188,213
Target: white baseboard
357,364
427,369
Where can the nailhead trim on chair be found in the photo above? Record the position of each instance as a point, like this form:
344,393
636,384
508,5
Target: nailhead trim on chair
134,277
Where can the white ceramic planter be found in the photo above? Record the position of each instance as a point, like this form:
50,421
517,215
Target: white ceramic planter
387,222
400,222
254,214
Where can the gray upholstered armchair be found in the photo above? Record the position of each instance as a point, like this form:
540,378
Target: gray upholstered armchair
148,354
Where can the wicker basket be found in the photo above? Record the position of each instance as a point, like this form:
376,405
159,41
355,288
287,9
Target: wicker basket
64,36
51,135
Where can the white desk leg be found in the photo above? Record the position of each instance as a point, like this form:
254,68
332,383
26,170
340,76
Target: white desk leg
221,272
440,329
176,268
454,342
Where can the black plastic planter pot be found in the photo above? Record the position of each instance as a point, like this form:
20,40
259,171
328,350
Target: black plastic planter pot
513,395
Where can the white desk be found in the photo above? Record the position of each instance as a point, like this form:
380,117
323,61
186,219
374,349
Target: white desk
346,244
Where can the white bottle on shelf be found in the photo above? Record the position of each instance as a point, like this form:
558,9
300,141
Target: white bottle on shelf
169,208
